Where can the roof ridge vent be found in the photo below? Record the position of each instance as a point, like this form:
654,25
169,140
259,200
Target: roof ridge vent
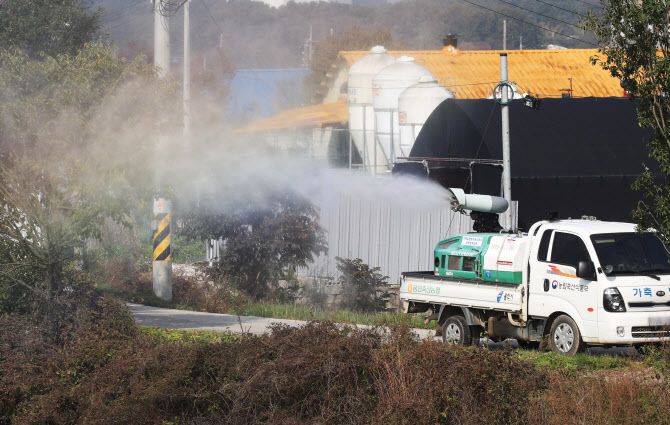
378,50
427,79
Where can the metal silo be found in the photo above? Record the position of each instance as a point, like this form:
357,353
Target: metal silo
361,111
387,86
415,106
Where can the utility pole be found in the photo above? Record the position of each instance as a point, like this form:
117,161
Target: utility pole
187,74
311,40
161,38
307,51
504,34
507,177
162,258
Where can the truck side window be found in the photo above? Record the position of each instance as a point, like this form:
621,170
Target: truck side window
544,246
468,264
454,262
447,244
568,249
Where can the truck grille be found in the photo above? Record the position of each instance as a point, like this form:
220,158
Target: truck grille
650,331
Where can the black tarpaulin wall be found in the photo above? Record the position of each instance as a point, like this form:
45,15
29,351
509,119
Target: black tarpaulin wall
574,156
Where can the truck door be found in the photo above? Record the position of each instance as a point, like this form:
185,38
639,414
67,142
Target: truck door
554,285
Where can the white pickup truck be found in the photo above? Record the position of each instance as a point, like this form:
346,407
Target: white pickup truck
577,282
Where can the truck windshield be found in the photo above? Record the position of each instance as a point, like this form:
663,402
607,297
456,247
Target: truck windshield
631,253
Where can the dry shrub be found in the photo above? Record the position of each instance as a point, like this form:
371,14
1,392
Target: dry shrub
39,372
427,383
316,374
106,372
25,350
214,297
118,273
629,396
135,282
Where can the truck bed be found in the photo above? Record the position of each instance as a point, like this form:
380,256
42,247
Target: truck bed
424,286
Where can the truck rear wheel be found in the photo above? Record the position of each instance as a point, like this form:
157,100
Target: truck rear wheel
564,336
457,332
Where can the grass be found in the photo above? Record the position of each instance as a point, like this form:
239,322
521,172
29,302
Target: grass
302,312
583,361
173,336
283,311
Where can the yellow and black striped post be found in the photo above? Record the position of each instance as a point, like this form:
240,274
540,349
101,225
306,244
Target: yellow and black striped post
162,258
162,237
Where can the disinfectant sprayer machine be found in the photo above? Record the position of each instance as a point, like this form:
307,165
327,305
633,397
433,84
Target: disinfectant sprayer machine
571,283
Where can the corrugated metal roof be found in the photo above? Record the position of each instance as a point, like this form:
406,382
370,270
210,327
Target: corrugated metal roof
260,93
308,116
543,73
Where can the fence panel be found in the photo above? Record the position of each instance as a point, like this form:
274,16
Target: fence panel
394,239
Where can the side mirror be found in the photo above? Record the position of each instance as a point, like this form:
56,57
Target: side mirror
586,270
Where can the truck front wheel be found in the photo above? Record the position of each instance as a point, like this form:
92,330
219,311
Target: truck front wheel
564,336
456,331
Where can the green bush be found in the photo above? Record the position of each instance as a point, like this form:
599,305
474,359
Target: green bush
361,286
265,242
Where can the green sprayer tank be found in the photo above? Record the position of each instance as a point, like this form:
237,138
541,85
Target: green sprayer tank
492,257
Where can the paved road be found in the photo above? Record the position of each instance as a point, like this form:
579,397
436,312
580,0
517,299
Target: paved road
196,320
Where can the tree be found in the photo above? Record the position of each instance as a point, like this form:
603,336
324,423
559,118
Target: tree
264,243
361,286
75,138
635,47
51,27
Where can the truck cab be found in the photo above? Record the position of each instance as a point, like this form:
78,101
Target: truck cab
612,282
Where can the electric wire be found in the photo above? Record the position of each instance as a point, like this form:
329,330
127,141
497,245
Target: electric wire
122,20
557,7
169,8
117,14
540,14
531,24
591,4
530,92
209,12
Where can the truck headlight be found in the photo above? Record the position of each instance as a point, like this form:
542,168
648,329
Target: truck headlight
613,301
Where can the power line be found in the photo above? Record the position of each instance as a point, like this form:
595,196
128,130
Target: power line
529,23
557,7
122,19
538,13
211,16
116,14
591,4
120,23
473,84
170,7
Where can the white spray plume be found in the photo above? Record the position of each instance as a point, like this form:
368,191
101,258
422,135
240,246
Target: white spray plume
249,172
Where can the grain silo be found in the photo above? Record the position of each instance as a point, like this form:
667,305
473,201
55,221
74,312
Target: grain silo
415,105
361,110
387,86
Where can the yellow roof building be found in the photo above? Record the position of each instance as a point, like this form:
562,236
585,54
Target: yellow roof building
309,116
469,74
542,73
